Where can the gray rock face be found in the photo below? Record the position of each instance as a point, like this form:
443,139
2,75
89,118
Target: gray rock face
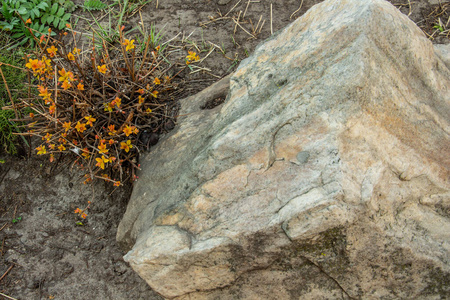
324,175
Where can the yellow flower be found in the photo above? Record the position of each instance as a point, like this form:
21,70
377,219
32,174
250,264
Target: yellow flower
191,57
148,110
129,45
66,85
117,102
85,153
41,150
90,120
65,76
126,146
154,94
111,129
156,81
140,99
61,147
52,51
76,50
128,130
102,148
66,126
102,69
80,127
70,56
47,137
34,64
101,162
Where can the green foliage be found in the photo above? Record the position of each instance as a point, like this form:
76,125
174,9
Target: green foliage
15,79
41,13
16,220
94,5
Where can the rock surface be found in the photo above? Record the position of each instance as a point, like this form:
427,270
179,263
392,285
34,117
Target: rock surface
324,175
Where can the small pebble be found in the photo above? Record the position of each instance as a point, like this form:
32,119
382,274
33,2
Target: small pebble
223,2
303,157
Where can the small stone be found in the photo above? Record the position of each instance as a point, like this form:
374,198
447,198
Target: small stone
302,157
223,2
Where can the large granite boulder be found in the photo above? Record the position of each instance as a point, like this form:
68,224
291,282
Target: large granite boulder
325,174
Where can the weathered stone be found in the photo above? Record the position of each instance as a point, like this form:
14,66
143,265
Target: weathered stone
325,174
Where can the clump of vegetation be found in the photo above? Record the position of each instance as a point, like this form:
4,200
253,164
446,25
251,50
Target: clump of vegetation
94,5
27,19
12,82
100,108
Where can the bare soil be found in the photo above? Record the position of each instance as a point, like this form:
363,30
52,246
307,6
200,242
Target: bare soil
44,253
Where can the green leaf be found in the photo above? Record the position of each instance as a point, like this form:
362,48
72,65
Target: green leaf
66,17
54,8
22,11
56,21
50,19
43,5
60,12
17,35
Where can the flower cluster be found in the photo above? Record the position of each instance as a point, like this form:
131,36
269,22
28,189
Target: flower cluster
100,111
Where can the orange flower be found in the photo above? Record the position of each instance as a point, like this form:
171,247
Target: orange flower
102,148
109,106
66,85
66,126
83,215
68,25
111,129
80,87
128,130
101,162
148,110
52,146
31,115
85,153
102,69
126,146
157,81
140,99
111,142
52,158
47,137
28,21
52,51
129,44
61,147
76,51
70,56
65,76
90,120
117,183
78,211
41,150
80,127
117,102
191,57
141,91
43,92
154,94
34,64
52,109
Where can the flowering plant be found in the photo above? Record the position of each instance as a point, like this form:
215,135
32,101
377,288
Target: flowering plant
99,108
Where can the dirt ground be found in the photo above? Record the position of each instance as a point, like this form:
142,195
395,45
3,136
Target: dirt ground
44,253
